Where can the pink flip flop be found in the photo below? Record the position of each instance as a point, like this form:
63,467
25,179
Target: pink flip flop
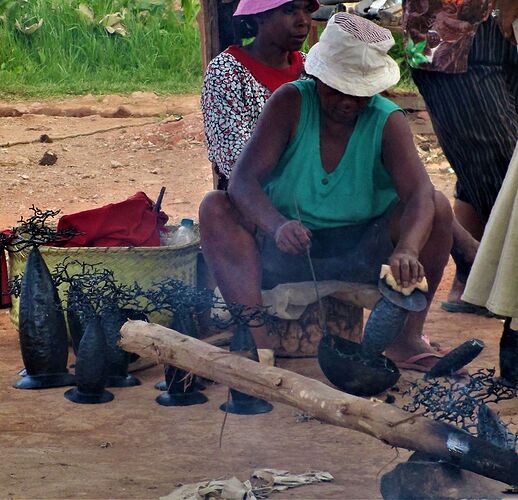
412,363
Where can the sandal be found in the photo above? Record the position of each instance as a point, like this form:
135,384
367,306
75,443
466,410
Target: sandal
412,363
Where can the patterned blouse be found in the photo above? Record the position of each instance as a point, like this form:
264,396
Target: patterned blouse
448,26
231,102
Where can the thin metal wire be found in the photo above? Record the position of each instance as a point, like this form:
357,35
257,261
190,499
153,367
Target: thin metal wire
323,319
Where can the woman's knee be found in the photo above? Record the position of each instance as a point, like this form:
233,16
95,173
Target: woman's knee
443,216
214,208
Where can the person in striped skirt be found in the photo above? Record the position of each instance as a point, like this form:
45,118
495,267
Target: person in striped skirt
468,77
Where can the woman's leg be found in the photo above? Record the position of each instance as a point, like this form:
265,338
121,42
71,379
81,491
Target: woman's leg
434,258
231,254
474,115
509,354
467,233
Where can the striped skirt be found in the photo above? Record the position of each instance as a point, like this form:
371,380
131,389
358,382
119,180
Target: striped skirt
475,116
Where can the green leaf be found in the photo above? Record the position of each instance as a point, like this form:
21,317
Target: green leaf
419,47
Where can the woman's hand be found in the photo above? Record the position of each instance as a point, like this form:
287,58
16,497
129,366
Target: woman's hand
292,237
406,268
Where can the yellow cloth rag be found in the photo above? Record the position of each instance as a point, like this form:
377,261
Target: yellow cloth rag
386,274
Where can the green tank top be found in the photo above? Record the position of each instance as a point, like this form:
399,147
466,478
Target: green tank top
359,189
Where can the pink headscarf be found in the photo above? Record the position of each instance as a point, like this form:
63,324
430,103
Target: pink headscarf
248,7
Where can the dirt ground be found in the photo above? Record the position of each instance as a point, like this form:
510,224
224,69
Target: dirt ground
107,149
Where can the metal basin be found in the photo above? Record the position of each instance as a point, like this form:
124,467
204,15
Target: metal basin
345,367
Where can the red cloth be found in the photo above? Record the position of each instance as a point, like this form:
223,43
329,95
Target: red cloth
132,222
5,299
269,77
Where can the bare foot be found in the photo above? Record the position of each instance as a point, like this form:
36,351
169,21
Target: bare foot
455,304
456,291
401,352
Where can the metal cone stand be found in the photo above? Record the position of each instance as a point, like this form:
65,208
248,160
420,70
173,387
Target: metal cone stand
240,403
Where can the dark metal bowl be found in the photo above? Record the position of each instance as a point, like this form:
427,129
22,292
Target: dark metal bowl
344,367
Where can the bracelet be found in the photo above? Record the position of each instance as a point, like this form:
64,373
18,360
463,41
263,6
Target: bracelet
279,228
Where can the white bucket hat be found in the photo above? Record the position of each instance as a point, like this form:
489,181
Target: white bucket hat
351,56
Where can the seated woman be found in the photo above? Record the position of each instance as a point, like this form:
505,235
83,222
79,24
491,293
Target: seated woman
240,80
331,166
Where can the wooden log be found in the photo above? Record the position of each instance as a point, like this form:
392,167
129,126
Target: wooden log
387,423
219,339
216,30
209,32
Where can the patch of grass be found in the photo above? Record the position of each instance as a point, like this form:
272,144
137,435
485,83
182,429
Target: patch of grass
73,54
398,53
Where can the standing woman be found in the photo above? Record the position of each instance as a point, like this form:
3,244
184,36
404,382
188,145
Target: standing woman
239,81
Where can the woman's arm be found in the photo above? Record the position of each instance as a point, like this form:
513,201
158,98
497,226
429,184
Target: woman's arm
228,118
508,12
274,130
416,191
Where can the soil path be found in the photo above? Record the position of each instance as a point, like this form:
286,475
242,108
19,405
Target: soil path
133,448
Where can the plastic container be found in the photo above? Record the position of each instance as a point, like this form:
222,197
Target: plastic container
184,235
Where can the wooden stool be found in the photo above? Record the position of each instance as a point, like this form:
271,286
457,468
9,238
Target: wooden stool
344,314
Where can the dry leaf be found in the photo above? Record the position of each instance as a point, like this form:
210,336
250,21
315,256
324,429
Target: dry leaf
113,23
28,29
86,11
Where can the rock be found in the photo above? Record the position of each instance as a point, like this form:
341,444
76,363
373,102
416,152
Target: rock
7,111
120,112
115,164
45,138
49,158
422,480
